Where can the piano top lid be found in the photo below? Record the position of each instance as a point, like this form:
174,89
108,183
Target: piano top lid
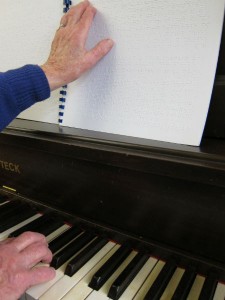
210,154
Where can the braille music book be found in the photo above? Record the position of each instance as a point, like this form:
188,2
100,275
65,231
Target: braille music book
157,81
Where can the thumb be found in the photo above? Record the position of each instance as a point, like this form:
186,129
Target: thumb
98,52
39,275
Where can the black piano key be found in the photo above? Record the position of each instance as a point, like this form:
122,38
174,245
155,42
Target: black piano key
185,284
9,208
11,213
3,198
84,256
161,281
49,226
62,256
64,239
209,287
103,274
12,209
32,226
45,226
125,278
19,216
8,204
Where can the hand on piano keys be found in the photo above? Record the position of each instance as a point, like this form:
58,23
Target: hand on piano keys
89,266
18,256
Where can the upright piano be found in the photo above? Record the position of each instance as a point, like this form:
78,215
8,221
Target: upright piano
125,218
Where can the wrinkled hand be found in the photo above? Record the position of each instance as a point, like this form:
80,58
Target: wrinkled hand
68,57
17,257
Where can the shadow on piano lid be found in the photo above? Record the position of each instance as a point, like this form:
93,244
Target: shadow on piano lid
161,193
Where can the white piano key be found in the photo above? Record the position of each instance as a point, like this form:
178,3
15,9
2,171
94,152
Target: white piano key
103,292
4,234
66,283
220,292
41,291
149,281
172,285
4,203
137,282
196,288
57,232
36,291
81,290
47,294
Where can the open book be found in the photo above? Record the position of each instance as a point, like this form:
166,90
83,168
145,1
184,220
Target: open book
157,81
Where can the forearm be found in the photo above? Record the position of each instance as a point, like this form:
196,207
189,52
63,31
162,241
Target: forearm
19,89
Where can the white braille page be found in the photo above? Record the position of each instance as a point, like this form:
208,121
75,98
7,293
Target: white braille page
27,28
157,81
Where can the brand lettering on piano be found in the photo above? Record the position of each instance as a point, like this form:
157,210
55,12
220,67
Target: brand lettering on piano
10,166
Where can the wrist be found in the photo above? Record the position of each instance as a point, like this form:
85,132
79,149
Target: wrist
53,76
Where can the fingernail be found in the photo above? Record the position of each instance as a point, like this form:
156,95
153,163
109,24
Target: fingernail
110,42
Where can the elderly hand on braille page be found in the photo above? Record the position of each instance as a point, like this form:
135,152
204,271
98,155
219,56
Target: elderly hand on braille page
68,58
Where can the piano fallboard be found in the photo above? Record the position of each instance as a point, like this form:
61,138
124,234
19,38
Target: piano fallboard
168,195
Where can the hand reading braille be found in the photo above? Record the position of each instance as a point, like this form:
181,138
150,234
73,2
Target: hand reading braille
69,58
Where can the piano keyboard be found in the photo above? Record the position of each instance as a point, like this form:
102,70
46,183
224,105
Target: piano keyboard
89,266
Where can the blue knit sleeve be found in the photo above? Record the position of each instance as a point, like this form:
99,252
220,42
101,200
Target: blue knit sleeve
19,89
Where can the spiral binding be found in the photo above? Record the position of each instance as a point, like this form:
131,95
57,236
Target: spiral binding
63,91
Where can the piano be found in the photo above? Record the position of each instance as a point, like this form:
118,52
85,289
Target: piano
125,218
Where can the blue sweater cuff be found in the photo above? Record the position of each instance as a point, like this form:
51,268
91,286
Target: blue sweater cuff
30,85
